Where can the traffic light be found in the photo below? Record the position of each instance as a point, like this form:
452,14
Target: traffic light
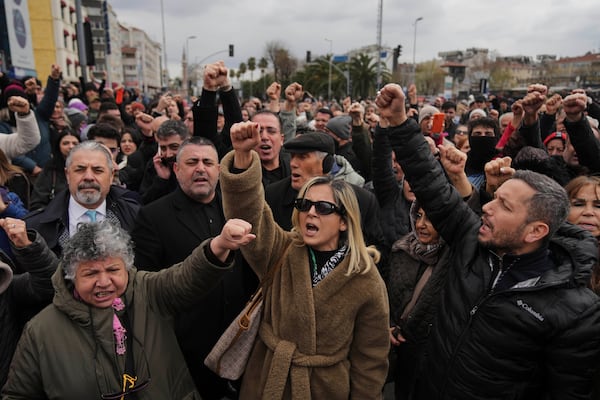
308,56
230,50
397,51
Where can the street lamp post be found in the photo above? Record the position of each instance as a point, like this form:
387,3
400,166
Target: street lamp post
330,61
414,68
186,67
165,71
187,46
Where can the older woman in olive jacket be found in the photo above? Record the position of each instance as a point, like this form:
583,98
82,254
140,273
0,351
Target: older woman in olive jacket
109,332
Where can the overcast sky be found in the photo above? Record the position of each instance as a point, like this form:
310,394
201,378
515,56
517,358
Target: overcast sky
509,27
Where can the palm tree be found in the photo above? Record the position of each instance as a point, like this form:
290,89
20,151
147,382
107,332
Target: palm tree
241,69
263,64
315,77
251,68
363,71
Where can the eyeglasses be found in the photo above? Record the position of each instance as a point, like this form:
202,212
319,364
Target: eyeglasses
126,392
321,207
461,132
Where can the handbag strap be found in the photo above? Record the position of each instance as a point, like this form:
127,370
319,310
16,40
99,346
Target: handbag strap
268,278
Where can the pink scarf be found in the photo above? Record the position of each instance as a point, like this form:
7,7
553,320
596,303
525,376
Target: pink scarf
118,329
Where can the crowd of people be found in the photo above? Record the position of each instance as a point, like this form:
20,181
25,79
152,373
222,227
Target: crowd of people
447,247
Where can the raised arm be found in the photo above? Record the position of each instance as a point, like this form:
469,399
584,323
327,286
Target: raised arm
293,93
32,255
28,132
46,106
580,132
441,202
243,197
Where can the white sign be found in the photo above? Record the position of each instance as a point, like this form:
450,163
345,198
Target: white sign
19,34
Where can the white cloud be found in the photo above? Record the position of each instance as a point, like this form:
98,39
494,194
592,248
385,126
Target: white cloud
510,27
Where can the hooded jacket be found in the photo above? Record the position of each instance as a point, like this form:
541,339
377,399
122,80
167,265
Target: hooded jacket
76,359
342,169
535,340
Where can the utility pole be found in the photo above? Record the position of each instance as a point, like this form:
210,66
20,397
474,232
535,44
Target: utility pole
379,23
330,61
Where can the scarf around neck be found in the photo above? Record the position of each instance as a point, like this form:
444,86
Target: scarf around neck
426,253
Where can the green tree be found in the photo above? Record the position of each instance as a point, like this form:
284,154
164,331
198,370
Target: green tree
315,76
430,77
263,64
284,65
500,77
242,69
363,74
251,68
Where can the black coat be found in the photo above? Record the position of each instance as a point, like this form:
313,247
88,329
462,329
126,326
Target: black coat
166,232
394,206
52,221
28,293
539,341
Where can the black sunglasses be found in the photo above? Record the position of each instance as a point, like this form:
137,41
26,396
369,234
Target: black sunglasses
321,207
127,391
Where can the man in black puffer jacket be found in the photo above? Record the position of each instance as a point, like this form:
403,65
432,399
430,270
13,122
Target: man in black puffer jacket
516,320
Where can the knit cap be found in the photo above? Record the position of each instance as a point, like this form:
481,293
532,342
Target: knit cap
427,111
341,126
14,89
77,104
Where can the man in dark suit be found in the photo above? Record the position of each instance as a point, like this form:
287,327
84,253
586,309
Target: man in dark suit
90,197
167,231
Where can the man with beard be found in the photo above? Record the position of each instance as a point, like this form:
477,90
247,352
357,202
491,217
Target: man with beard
166,232
90,197
516,319
159,178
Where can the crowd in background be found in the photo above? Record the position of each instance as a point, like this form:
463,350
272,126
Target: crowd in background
167,175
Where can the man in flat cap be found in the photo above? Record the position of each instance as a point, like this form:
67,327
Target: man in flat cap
312,154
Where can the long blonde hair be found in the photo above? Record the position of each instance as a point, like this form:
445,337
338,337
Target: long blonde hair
362,258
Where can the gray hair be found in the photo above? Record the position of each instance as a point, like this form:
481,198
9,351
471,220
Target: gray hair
97,241
549,204
172,127
92,146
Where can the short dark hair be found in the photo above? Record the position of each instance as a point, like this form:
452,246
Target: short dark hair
486,122
550,203
325,111
197,141
268,112
104,130
171,128
448,105
108,105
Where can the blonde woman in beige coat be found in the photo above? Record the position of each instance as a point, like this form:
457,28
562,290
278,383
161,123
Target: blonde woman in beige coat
324,332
